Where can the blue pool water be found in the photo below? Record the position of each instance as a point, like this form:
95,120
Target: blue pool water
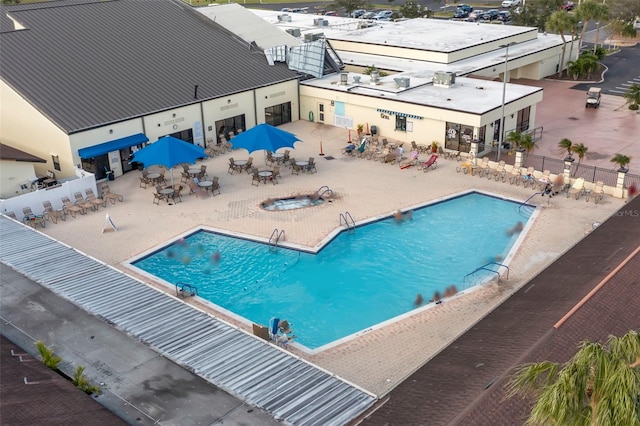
356,281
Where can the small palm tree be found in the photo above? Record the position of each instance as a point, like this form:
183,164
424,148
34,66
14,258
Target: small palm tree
622,161
575,68
514,138
49,359
565,145
598,386
632,95
527,143
589,62
581,151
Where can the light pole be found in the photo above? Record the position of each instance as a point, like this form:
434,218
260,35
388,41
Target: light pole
504,92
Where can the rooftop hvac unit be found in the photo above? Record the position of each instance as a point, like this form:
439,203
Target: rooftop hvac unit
320,22
375,77
403,82
293,31
444,78
313,36
344,78
284,18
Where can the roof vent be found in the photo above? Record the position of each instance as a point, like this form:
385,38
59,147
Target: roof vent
293,31
284,18
344,78
444,78
403,82
356,79
375,77
313,36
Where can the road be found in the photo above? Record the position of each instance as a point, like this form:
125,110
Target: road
623,71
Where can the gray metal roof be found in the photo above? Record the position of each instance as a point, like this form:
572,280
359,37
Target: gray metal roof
85,64
252,369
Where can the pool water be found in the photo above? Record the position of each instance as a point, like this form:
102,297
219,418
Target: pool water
291,203
356,281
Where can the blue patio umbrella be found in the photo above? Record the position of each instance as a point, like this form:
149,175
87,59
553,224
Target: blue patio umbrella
264,136
168,151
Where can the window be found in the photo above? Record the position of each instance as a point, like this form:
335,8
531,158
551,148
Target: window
56,162
401,123
228,125
496,131
278,114
321,112
523,119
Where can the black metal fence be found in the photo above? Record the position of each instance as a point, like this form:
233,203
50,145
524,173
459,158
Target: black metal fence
556,166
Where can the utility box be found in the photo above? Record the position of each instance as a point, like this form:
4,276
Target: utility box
593,97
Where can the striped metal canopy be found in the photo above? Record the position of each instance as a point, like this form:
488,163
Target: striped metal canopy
401,114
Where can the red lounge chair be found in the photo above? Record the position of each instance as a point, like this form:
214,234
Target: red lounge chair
431,163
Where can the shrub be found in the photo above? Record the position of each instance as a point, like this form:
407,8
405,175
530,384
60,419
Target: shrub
48,357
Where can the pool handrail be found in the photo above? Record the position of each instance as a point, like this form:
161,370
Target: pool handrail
273,243
351,227
485,268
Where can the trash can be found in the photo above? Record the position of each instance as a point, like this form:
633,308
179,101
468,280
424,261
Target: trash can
374,130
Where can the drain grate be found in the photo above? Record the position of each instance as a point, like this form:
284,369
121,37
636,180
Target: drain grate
574,118
328,157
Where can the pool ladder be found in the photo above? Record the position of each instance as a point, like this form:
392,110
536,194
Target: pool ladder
324,190
485,267
185,290
275,237
351,226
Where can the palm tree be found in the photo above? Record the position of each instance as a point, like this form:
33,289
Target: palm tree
581,152
514,138
598,386
559,22
589,62
586,11
565,145
632,95
573,21
575,68
527,143
602,15
622,161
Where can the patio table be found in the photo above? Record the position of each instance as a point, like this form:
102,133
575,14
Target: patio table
277,157
264,175
205,184
153,177
194,172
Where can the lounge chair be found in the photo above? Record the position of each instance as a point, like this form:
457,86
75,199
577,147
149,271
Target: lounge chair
544,180
32,219
12,215
499,172
80,201
109,195
577,188
527,177
483,167
431,163
597,193
514,176
71,208
348,150
95,201
53,214
381,155
412,160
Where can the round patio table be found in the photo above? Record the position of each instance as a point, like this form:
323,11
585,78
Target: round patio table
205,184
264,175
166,191
240,162
153,177
194,172
277,157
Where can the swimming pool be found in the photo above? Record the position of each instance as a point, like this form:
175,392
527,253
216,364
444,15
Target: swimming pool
356,281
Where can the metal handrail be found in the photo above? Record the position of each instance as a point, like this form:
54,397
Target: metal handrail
485,268
350,227
273,243
185,290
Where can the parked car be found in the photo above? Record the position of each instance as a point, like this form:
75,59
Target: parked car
510,3
384,15
369,15
331,13
504,16
286,9
491,14
465,7
358,13
460,14
568,5
476,14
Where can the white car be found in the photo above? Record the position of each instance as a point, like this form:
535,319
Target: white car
510,3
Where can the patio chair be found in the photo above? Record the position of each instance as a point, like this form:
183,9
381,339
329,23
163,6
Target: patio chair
32,219
249,165
109,195
157,196
285,158
95,201
255,180
12,215
203,171
311,168
144,180
269,161
295,169
597,193
53,214
80,201
431,163
577,188
175,196
276,171
380,156
71,208
215,186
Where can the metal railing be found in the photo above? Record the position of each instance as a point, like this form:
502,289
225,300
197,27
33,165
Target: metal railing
275,238
351,227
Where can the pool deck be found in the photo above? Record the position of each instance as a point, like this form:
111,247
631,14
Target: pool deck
380,359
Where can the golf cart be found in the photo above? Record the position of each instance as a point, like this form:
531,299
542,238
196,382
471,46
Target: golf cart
593,97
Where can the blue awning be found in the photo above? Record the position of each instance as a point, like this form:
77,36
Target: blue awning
114,145
401,114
